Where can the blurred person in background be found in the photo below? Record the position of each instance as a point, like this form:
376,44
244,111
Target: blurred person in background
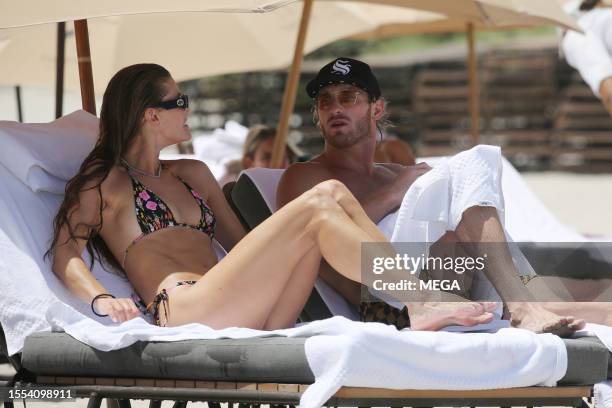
258,148
257,152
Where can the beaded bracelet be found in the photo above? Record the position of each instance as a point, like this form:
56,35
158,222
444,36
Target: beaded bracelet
100,296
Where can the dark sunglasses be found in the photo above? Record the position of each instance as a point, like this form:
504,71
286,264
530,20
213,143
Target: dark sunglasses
182,102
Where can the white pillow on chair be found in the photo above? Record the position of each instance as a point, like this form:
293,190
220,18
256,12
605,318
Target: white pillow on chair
46,155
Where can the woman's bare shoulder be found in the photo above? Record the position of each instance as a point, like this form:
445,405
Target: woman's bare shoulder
189,169
116,179
110,187
184,164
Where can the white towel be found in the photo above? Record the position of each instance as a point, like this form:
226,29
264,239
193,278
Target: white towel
42,155
376,355
604,333
602,395
29,286
436,201
341,352
526,218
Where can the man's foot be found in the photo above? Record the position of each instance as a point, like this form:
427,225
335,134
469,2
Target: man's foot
592,312
534,317
432,316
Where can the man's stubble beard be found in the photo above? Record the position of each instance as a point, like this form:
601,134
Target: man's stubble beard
363,127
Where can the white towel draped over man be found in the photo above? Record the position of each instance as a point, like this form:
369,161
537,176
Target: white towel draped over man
458,202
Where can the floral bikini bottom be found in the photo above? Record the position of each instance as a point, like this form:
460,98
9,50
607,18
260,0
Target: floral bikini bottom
382,312
160,299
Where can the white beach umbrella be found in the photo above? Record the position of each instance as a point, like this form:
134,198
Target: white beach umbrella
190,45
30,12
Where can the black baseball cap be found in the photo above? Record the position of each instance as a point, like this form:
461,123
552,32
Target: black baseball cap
345,71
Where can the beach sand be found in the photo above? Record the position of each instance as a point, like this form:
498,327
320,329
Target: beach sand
583,202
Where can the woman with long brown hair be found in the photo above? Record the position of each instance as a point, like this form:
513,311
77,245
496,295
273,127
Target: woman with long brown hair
155,220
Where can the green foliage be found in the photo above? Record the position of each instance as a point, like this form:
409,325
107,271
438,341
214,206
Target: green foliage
408,43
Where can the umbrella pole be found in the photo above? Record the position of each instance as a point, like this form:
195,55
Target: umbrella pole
88,98
473,83
291,89
59,70
18,99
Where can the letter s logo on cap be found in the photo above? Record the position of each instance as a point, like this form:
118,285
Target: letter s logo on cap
341,67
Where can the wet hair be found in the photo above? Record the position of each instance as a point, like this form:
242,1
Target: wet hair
129,93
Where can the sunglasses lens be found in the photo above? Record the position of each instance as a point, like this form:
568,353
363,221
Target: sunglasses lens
347,98
324,101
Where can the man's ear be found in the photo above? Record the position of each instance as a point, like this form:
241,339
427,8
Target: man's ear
379,108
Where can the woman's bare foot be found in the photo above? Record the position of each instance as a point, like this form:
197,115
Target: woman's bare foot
534,317
432,316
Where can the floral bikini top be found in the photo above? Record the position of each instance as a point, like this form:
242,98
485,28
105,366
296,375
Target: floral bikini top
153,214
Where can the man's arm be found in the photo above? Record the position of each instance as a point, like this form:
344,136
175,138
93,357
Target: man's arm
386,199
381,202
297,179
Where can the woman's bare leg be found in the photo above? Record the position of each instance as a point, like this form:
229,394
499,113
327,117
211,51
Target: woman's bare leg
245,287
293,296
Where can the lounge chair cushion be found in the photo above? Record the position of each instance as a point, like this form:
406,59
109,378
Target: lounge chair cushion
248,200
588,361
272,359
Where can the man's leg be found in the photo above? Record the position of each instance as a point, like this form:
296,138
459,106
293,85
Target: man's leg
480,230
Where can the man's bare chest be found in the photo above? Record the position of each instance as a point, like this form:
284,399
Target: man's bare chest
362,186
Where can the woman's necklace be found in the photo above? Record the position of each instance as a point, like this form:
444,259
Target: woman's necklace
142,172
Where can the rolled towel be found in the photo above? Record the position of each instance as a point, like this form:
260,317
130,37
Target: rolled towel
46,155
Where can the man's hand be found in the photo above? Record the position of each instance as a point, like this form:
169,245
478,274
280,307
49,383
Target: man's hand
119,310
605,89
404,180
386,199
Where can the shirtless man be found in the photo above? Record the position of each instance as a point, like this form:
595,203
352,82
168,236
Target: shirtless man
349,109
